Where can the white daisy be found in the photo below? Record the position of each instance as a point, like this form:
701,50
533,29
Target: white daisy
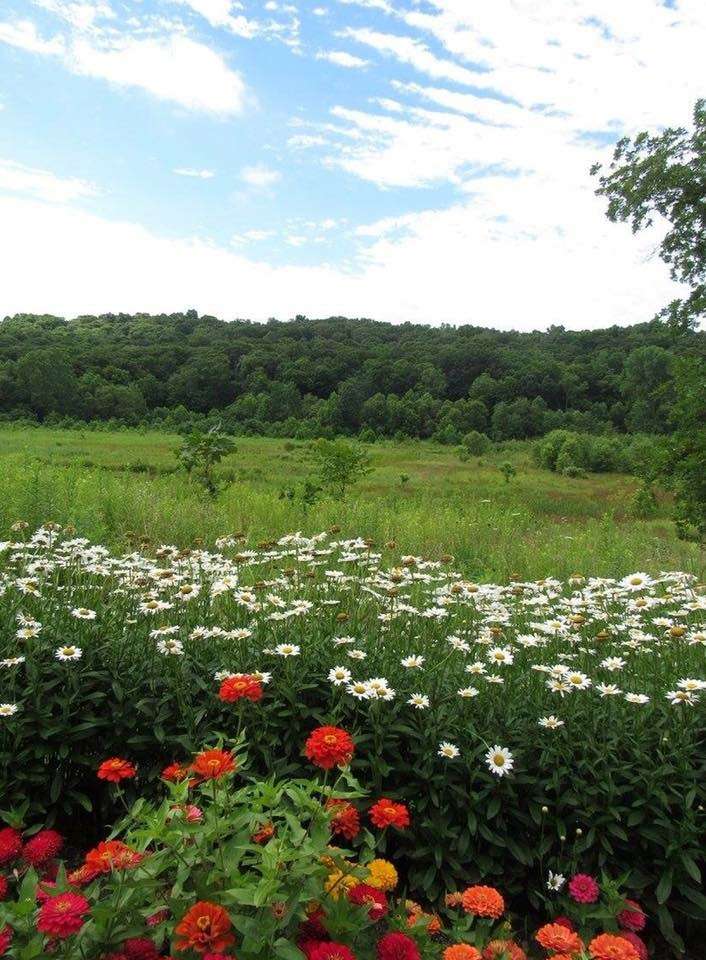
499,760
8,709
413,661
339,675
68,652
287,650
551,722
448,750
419,700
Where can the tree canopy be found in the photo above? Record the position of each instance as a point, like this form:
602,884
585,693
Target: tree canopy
338,376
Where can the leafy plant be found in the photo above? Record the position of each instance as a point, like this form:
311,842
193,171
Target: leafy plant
200,453
339,464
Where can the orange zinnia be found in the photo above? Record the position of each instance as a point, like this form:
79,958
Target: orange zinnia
213,764
111,855
504,950
557,937
116,769
483,902
206,926
461,951
609,947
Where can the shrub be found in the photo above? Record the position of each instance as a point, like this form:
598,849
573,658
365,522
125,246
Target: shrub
475,443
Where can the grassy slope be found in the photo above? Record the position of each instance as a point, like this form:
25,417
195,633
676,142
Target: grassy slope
114,485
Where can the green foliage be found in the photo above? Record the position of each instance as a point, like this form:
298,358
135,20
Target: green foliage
200,453
475,444
338,465
508,470
682,458
324,378
264,885
661,176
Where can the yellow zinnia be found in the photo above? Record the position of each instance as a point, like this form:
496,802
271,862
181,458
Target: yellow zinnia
382,875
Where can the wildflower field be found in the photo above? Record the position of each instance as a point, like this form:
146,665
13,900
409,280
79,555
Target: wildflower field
543,737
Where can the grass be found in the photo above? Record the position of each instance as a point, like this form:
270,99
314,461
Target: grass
120,488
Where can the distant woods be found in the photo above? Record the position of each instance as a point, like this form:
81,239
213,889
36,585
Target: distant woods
322,378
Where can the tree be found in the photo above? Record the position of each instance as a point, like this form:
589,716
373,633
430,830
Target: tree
200,453
682,461
664,175
339,464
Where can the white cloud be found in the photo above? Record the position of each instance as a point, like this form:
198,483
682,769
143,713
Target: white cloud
172,68
457,265
259,176
43,184
193,172
341,58
23,34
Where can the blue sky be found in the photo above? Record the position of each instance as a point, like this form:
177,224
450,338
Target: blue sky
421,160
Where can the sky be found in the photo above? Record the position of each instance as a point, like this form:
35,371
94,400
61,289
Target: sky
405,160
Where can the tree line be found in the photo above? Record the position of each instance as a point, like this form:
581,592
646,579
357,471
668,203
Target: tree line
333,376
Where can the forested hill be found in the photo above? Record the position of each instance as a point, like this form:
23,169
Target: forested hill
306,377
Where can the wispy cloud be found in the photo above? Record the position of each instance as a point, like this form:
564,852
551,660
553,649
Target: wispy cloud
18,178
194,172
341,58
259,176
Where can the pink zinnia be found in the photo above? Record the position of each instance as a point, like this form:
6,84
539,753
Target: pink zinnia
140,948
583,889
637,942
632,917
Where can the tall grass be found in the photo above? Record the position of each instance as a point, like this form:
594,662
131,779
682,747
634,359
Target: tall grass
122,488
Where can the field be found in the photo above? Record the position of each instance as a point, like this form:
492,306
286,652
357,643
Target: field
173,668
123,488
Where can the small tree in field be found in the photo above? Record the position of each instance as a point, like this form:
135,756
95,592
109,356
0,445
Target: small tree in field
507,470
339,464
200,453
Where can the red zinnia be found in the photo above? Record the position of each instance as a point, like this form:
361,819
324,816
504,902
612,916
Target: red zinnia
3,887
397,946
140,948
387,813
5,939
583,889
329,747
116,769
632,917
365,896
331,951
345,819
213,764
175,772
62,915
10,844
265,833
110,855
42,847
205,927
243,686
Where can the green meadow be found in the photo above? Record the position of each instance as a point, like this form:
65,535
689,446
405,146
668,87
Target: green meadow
124,488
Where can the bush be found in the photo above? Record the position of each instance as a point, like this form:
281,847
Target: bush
475,443
105,655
